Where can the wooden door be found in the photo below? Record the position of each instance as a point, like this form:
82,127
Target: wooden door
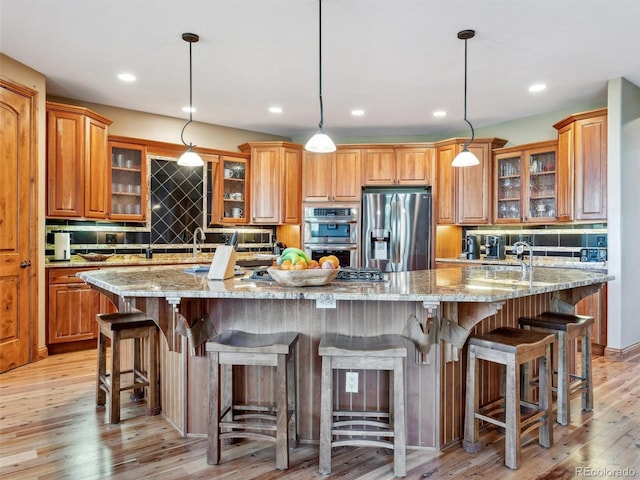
317,175
347,175
379,166
265,185
564,174
97,181
72,313
292,186
445,185
474,189
18,225
413,166
591,168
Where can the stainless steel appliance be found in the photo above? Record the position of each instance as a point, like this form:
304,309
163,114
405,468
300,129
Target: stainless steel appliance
494,247
332,230
396,229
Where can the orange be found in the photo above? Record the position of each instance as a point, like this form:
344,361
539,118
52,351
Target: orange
322,260
302,265
333,259
286,265
313,264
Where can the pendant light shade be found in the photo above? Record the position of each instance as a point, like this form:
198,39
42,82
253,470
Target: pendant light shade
320,142
190,158
465,158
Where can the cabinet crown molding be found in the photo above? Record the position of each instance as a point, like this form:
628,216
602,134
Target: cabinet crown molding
61,107
579,116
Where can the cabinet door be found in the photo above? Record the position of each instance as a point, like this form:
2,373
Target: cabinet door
230,196
474,188
65,164
347,175
72,311
564,175
317,176
595,305
379,166
265,184
291,186
97,177
540,185
413,166
591,168
445,185
128,182
508,190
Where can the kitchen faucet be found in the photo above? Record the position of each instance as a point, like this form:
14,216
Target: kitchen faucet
196,240
519,247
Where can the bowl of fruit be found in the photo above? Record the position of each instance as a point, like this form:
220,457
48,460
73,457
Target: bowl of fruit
294,268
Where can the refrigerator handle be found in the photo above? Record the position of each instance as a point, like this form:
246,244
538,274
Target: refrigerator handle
395,245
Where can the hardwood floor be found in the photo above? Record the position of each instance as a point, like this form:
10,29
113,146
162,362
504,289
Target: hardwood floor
50,428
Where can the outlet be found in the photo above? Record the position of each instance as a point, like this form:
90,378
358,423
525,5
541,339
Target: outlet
111,238
351,382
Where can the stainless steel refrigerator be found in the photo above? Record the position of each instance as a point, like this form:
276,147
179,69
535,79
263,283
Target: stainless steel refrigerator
396,229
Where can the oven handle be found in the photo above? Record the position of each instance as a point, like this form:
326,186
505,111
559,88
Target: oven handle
331,246
330,220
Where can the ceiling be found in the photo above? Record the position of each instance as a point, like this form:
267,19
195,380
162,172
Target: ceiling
397,60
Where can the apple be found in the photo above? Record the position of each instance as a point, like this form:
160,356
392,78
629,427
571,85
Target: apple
328,264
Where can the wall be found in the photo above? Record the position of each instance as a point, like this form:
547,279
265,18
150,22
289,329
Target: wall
623,214
18,73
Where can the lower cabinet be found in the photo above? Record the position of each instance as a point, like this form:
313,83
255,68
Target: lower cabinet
596,306
72,308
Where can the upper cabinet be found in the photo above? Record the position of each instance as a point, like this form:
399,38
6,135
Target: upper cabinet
128,181
526,184
332,177
78,180
231,191
275,182
582,148
397,166
463,195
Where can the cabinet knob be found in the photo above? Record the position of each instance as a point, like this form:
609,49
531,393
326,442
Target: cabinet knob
25,263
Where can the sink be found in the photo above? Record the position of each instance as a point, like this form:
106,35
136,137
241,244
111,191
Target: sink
507,276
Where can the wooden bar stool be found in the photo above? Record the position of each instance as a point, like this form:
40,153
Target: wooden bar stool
277,422
566,327
510,347
363,428
122,326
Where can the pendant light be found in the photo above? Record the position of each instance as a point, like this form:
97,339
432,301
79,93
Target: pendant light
190,158
320,142
465,158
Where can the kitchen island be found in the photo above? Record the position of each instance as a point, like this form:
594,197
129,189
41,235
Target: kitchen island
448,304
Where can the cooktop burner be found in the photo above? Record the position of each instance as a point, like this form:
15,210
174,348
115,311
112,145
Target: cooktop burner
346,274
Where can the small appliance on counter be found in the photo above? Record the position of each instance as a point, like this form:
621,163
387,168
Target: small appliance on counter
62,246
494,247
472,247
593,254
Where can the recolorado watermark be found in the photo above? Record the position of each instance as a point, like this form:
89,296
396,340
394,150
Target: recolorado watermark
605,472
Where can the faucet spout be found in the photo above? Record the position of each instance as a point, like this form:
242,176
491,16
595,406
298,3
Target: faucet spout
519,248
198,236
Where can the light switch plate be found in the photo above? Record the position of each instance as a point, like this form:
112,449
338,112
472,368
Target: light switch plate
351,382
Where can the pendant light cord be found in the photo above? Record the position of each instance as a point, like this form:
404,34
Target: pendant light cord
465,95
320,125
190,97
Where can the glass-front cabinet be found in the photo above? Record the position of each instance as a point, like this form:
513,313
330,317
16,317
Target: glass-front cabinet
525,183
128,181
230,192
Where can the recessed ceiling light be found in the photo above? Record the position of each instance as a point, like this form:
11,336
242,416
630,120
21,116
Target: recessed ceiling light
357,112
275,109
537,87
439,113
188,109
127,77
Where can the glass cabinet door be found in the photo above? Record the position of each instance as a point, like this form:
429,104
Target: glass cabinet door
542,186
508,189
128,182
230,196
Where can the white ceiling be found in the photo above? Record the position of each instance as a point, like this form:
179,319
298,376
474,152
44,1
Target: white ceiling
399,60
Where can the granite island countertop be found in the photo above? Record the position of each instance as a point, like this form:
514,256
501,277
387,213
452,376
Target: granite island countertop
468,284
538,261
135,259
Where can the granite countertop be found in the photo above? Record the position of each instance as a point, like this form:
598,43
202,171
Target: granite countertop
123,260
552,262
473,284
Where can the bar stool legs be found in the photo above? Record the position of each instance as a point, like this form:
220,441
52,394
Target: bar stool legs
510,347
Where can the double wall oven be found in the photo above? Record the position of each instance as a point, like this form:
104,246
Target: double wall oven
332,230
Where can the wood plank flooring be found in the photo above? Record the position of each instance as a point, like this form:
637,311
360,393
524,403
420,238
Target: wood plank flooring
50,428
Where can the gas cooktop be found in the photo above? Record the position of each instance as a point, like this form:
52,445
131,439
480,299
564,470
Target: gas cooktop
346,274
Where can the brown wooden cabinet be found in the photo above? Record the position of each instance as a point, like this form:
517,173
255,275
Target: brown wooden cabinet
275,182
582,149
77,163
463,195
72,307
596,306
397,166
332,177
526,184
128,185
231,195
